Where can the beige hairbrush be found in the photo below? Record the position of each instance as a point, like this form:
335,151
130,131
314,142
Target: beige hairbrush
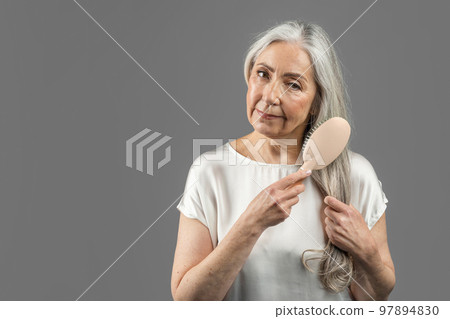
324,143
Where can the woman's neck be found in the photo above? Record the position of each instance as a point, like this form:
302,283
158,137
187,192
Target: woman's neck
280,150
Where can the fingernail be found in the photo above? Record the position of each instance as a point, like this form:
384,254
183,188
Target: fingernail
308,172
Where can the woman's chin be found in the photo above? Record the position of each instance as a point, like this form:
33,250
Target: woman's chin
269,131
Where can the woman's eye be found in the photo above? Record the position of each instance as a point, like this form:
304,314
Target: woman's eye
261,72
294,86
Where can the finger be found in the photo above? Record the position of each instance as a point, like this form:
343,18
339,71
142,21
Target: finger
331,214
336,204
293,201
300,182
291,179
331,228
293,191
287,205
329,223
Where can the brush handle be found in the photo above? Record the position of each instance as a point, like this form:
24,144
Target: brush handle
309,165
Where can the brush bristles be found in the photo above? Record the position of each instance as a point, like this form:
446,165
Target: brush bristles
311,131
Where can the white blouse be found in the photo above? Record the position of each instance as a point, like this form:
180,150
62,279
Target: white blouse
221,184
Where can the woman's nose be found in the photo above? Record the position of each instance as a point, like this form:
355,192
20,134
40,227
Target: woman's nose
271,93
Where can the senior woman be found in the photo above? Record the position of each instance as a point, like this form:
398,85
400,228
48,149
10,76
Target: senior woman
247,225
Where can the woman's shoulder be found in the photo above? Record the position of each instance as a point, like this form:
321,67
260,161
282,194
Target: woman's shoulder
357,160
367,192
361,169
212,159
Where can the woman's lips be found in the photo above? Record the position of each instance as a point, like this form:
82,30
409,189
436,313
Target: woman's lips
267,116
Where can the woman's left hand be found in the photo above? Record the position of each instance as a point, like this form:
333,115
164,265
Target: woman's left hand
346,228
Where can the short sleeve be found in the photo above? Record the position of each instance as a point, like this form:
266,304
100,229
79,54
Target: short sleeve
190,204
367,190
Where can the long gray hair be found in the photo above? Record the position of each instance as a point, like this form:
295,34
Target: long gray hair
336,266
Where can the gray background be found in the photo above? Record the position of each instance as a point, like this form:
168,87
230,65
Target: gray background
70,98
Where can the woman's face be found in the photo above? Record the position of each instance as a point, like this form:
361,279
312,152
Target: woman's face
277,71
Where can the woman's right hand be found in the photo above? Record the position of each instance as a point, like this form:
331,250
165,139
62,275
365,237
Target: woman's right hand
273,204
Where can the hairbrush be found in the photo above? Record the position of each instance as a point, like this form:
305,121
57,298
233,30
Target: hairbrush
324,143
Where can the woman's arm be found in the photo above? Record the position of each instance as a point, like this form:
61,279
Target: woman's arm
213,276
346,229
202,274
375,267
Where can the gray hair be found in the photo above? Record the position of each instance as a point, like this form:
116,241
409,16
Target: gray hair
336,268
